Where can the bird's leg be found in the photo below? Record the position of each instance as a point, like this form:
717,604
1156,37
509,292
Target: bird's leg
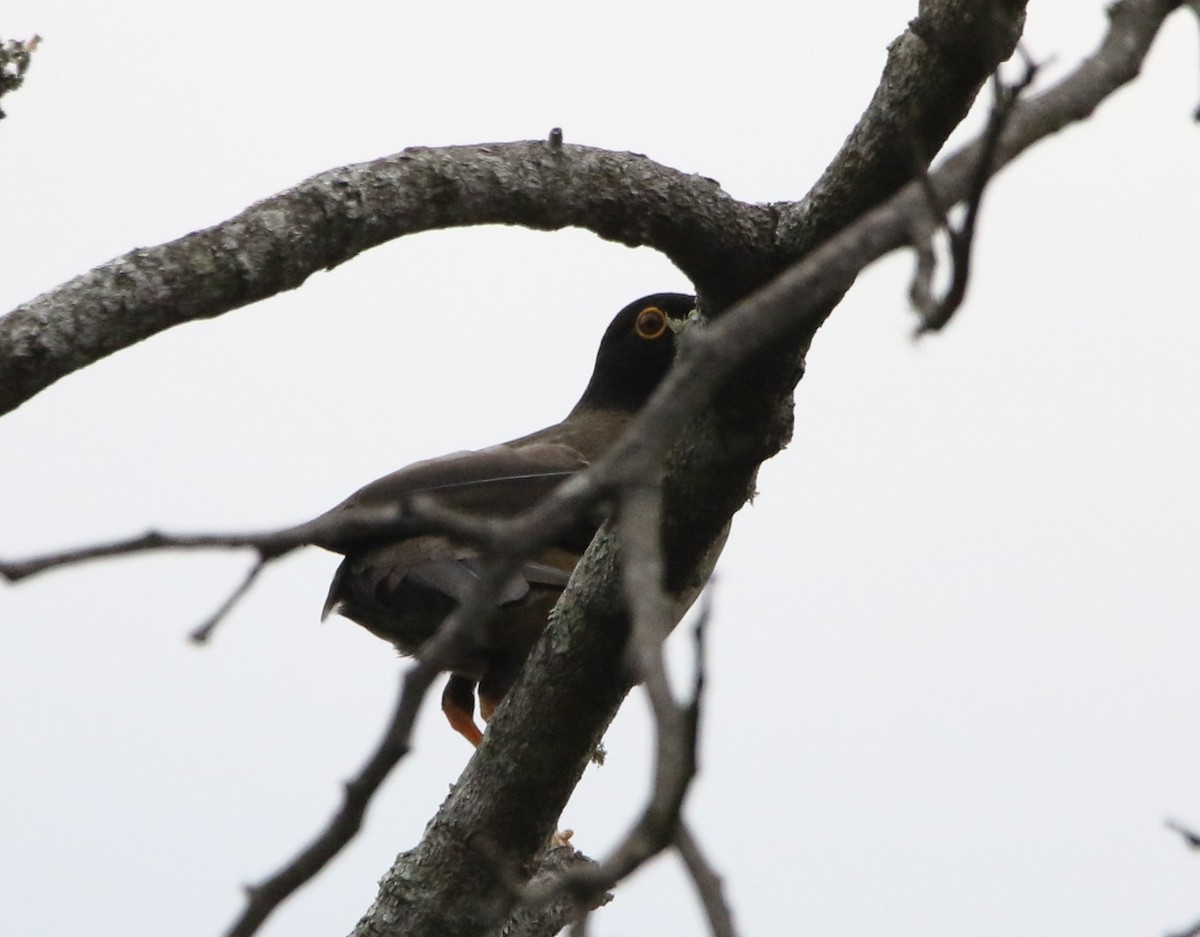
487,706
458,703
497,680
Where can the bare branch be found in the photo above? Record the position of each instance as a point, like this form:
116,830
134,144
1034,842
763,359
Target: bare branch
270,545
16,570
676,725
202,632
639,522
328,530
276,244
1191,838
707,882
936,313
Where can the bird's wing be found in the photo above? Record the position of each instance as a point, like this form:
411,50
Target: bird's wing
378,582
497,482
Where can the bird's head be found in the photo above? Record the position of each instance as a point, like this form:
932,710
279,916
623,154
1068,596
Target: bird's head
636,352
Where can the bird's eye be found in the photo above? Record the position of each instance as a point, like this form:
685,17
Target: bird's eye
651,323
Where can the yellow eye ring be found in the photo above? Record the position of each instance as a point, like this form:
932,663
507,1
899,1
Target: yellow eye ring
651,323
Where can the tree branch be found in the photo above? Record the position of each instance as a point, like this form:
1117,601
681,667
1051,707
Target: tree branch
935,313
329,530
203,631
707,882
1190,838
276,244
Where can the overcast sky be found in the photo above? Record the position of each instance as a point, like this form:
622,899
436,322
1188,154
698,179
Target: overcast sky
954,655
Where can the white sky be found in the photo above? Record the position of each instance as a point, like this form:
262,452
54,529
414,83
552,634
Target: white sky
953,666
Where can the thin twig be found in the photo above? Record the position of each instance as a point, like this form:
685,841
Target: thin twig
1189,837
16,570
203,631
329,530
418,513
639,521
703,875
923,228
707,881
936,313
277,243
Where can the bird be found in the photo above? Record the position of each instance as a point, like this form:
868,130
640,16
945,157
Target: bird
402,587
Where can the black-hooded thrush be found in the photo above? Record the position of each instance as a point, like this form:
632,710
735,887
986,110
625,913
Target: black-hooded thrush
401,589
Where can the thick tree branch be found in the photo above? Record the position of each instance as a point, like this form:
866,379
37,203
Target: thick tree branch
276,244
